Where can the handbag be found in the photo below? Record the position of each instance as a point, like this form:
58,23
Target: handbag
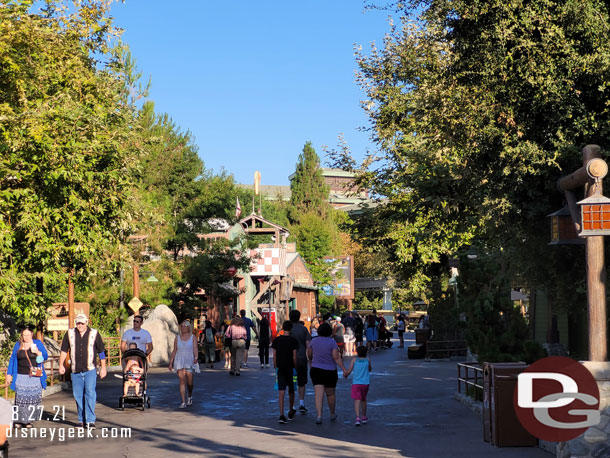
228,341
35,371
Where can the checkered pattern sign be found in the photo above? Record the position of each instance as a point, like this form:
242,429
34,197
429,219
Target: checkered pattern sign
271,261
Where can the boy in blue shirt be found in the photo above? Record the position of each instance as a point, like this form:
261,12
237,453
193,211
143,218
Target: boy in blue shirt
361,367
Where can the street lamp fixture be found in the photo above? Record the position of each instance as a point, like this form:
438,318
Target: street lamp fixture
563,231
595,215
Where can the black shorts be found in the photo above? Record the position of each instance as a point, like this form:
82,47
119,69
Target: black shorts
247,344
302,374
324,377
284,380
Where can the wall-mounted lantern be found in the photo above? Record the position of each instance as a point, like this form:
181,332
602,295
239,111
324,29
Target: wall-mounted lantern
595,215
563,231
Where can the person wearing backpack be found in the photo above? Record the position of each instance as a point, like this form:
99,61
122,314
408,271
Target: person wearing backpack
208,343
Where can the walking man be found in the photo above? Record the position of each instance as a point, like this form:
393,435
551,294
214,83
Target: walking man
141,337
249,325
302,336
84,344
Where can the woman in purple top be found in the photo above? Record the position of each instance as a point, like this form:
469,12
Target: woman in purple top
324,356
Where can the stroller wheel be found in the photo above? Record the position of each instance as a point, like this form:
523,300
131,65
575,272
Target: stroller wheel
121,404
148,402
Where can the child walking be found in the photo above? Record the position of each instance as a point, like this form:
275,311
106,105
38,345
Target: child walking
284,361
361,367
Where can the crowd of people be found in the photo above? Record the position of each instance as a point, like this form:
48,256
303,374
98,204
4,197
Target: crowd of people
299,352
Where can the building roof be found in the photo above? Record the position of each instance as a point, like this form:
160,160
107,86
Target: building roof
270,191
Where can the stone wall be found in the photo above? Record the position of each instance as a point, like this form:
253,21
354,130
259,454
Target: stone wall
595,442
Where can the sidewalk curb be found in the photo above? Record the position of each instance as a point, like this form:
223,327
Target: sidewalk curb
475,406
55,389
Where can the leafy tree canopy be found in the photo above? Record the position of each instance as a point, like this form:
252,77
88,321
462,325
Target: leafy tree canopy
65,155
477,108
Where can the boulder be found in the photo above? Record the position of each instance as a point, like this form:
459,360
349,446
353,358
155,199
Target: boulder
164,313
163,341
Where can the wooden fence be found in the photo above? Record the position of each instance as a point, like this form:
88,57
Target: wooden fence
445,348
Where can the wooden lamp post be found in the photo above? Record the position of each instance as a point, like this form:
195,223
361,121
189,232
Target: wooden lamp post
590,222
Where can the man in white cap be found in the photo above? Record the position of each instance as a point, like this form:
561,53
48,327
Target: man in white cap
84,345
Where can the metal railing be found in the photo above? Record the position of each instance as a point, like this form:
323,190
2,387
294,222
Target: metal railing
472,377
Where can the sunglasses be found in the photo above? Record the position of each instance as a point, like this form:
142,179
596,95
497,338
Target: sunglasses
137,321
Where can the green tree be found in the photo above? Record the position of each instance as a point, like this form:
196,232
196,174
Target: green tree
477,108
65,151
209,270
314,236
309,192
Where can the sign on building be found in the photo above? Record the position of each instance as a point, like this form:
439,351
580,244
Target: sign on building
58,319
271,261
342,272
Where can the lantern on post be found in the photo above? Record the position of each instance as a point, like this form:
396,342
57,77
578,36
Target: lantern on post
563,231
595,215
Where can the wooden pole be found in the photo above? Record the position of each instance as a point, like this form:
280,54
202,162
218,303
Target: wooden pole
71,299
40,324
596,275
136,280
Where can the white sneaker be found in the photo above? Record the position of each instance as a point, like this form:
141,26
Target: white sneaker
189,401
182,406
266,365
262,366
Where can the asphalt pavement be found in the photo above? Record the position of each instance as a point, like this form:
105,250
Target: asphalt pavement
412,413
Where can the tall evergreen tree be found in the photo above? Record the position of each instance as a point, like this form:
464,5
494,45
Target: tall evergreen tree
309,192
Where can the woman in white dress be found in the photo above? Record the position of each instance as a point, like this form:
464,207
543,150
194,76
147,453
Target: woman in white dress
183,359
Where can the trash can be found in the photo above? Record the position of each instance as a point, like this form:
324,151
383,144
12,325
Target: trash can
422,335
501,427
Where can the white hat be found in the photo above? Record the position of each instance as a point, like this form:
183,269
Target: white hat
81,318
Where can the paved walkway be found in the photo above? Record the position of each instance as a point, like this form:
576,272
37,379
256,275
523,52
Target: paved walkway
411,410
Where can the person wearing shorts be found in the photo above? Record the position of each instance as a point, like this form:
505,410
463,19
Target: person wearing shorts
361,367
284,362
324,356
302,336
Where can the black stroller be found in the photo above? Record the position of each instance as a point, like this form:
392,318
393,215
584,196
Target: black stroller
134,376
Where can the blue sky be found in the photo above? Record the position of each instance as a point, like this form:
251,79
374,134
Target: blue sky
253,81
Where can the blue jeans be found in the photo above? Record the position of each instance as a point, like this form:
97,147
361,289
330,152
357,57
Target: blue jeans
83,389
